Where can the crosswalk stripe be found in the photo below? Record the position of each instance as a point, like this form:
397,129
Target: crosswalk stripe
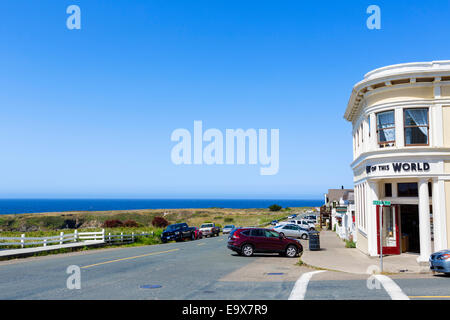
301,285
393,290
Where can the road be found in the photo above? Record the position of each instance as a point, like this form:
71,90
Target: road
202,269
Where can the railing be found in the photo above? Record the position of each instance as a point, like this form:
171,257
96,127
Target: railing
76,237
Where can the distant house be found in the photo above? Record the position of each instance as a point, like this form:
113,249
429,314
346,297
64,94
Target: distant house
337,203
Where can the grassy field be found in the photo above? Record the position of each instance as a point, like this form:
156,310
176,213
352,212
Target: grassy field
44,224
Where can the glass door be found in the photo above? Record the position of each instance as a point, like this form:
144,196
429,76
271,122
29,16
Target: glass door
390,229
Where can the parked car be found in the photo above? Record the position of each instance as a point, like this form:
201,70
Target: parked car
274,222
292,230
247,241
292,216
440,261
198,233
228,228
304,223
209,230
178,232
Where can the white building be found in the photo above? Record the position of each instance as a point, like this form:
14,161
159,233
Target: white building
401,153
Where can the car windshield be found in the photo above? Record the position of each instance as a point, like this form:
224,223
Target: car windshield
207,225
173,227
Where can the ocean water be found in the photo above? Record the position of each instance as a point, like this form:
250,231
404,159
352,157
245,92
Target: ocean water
13,206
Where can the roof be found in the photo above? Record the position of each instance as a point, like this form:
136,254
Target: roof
382,77
337,194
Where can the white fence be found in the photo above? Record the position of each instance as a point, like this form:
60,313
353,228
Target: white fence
75,237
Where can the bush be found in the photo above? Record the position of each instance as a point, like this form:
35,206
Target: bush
130,224
275,207
160,222
112,223
228,219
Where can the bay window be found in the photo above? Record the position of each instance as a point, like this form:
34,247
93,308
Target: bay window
416,126
386,128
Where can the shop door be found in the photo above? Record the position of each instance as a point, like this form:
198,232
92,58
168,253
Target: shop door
390,233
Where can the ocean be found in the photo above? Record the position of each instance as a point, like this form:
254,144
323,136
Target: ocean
15,206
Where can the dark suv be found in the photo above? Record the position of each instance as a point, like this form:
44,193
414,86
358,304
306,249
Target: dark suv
246,241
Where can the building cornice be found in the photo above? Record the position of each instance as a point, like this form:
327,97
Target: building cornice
396,76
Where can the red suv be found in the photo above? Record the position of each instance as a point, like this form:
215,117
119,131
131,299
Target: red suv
246,241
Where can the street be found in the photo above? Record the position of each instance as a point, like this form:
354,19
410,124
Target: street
202,269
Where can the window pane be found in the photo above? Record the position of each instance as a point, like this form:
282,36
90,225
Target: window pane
385,119
416,117
416,135
408,190
388,190
386,135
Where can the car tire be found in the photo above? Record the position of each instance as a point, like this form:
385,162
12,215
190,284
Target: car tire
247,250
304,236
282,234
291,251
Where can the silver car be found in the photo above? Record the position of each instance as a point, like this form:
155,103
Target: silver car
228,228
440,261
292,230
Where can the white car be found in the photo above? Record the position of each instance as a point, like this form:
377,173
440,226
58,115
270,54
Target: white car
304,224
292,230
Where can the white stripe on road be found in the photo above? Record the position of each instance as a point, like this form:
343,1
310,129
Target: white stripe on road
393,290
300,287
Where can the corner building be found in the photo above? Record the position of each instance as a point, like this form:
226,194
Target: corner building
401,154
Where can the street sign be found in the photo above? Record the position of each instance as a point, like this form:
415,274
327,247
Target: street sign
381,203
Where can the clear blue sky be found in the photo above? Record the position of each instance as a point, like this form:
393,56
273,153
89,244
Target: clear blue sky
89,113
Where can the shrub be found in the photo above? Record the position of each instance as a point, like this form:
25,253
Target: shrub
112,223
275,207
160,222
350,244
228,219
130,224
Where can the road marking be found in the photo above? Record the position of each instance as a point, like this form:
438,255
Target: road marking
301,285
393,290
201,244
129,258
429,297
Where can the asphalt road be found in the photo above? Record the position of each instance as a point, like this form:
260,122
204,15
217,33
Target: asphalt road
202,269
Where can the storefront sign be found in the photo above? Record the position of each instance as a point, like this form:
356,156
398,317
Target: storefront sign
398,167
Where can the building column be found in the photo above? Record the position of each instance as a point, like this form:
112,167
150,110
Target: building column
439,219
373,194
424,221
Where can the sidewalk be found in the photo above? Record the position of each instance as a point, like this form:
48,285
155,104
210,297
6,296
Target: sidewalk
335,256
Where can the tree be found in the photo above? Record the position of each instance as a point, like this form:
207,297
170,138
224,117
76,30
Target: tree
160,222
275,207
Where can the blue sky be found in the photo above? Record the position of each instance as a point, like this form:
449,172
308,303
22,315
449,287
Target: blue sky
89,113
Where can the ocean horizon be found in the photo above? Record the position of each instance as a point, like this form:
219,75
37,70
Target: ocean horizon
22,206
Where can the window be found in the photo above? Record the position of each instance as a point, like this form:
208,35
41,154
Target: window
388,189
386,129
408,189
257,233
271,234
416,126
